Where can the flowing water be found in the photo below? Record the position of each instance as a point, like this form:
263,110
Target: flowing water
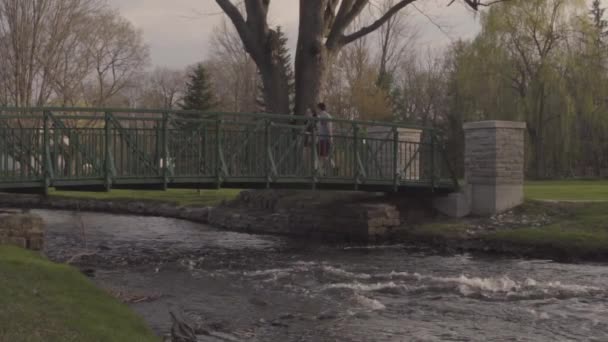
266,288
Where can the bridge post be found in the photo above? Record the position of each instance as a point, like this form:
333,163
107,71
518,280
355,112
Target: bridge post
46,153
355,166
218,152
267,152
494,170
396,175
433,164
165,150
494,165
108,151
314,169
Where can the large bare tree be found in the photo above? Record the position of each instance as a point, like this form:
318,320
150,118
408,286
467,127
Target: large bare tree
233,73
162,88
34,38
119,55
395,42
323,32
51,49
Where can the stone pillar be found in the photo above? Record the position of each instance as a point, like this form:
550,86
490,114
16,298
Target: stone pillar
494,165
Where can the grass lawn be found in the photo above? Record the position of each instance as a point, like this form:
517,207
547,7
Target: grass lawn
573,231
578,230
178,196
569,190
47,302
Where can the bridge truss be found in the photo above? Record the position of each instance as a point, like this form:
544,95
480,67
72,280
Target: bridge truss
101,149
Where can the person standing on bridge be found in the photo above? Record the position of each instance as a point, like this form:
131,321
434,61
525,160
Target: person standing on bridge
310,114
325,129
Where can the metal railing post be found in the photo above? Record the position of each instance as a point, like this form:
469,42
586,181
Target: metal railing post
396,173
433,148
46,154
218,152
314,167
108,152
165,150
267,151
355,165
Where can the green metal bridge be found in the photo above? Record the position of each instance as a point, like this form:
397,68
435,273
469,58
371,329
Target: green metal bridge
99,149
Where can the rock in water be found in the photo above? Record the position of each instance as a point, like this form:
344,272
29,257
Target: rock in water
181,331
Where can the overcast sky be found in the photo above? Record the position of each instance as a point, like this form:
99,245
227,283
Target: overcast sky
178,31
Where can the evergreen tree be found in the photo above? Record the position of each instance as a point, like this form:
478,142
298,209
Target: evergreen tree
597,15
284,58
199,95
597,42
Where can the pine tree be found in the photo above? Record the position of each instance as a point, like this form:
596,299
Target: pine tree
284,58
199,95
597,15
600,26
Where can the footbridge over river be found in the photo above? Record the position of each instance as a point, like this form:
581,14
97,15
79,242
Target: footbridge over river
100,149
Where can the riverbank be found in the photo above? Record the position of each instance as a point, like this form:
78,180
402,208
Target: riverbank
44,301
178,197
562,231
572,228
247,287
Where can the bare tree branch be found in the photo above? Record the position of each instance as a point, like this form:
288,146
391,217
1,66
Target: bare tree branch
239,23
376,24
475,4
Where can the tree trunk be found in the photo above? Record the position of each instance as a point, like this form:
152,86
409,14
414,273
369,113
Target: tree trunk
312,56
276,88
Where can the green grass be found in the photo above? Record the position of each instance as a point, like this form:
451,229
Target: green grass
450,230
178,196
47,302
580,229
570,190
574,231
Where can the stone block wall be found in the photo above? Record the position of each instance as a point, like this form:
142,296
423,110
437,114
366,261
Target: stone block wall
347,216
357,222
21,230
494,165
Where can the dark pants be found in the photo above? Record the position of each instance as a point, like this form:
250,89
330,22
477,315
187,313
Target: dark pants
324,146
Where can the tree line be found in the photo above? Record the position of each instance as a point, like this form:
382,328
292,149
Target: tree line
539,61
543,62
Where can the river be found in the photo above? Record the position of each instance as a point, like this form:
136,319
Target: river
268,288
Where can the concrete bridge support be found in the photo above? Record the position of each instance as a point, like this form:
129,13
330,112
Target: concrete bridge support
494,170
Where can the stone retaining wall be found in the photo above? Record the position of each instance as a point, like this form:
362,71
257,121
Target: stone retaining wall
142,208
328,215
354,222
21,230
315,214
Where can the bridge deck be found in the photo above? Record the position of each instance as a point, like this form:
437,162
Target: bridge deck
100,149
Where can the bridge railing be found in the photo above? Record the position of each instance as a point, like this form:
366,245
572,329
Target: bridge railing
80,147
